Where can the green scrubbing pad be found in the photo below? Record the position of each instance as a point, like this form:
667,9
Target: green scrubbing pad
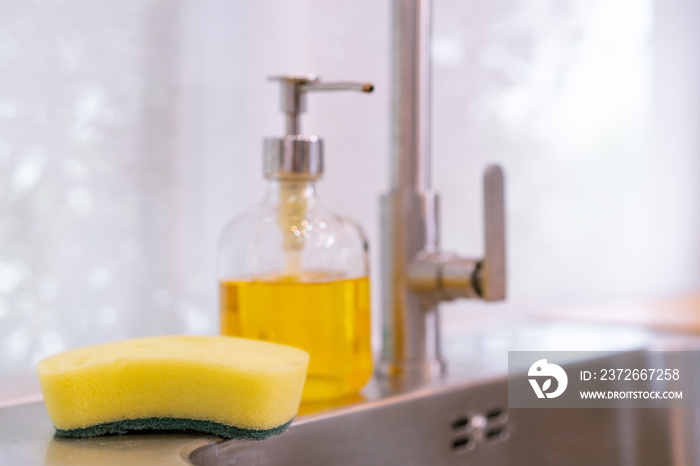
227,386
169,423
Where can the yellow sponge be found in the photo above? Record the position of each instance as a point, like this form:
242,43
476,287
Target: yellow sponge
232,387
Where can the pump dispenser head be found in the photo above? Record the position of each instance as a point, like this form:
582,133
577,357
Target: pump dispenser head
297,156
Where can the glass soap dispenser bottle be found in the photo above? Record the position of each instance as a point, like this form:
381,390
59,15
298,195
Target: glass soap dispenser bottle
293,271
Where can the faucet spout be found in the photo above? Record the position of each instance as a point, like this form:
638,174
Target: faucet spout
410,75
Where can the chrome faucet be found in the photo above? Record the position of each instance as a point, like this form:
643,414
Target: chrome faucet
416,275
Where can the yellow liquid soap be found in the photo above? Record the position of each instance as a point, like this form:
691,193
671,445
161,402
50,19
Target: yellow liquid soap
330,319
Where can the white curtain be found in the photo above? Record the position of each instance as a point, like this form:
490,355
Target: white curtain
130,132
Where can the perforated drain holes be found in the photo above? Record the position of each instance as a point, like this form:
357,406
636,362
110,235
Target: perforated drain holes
494,433
477,429
497,434
495,414
461,443
460,423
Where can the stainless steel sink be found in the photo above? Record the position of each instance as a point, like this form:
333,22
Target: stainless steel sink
461,424
464,419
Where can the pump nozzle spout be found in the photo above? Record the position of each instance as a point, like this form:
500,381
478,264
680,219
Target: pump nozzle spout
293,96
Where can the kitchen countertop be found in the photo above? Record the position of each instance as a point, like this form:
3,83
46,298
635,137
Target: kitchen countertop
478,353
675,314
27,438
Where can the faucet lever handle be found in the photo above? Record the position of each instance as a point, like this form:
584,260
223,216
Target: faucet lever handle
491,272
